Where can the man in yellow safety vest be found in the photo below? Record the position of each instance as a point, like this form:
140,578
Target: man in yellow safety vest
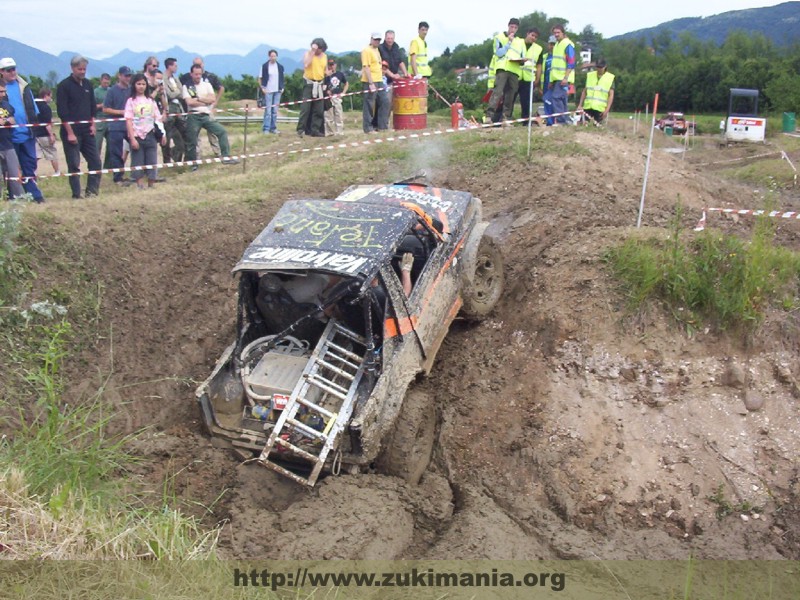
508,55
598,96
562,73
531,71
418,52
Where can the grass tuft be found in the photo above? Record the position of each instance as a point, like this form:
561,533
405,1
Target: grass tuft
716,276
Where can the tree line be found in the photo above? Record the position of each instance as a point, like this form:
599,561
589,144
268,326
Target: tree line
690,75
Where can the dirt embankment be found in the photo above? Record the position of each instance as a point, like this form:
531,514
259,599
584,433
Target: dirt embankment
566,428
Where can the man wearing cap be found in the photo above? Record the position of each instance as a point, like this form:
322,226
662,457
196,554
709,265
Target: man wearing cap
418,52
20,97
372,83
598,95
312,110
272,88
114,107
76,109
336,84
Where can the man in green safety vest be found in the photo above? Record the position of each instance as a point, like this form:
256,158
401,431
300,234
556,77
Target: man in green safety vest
531,71
418,53
598,95
562,73
508,56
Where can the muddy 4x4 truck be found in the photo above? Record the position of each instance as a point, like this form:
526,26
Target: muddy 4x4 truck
328,340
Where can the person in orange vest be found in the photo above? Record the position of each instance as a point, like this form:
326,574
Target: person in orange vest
598,95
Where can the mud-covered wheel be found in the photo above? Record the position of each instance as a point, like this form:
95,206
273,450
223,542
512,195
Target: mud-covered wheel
482,290
409,448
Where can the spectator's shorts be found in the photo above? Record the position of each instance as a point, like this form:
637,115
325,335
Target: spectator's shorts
47,149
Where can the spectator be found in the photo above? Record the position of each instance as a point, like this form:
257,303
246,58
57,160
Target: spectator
547,94
142,118
114,106
531,71
598,95
76,109
336,84
20,96
272,87
175,124
44,131
8,157
100,123
418,52
150,68
200,98
562,73
372,84
312,110
156,92
218,88
395,70
509,51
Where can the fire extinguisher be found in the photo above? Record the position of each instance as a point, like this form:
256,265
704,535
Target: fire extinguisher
456,114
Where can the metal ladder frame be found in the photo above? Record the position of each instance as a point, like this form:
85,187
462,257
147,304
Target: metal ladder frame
323,356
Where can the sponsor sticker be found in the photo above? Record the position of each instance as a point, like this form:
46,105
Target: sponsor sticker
337,261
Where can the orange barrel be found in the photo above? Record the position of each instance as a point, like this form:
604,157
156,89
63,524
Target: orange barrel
410,104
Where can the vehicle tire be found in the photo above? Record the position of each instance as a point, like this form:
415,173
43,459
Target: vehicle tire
482,292
409,448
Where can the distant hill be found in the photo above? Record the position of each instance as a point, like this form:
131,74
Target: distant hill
36,62
780,23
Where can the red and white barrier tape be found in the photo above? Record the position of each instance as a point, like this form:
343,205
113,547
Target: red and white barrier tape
775,214
406,83
339,146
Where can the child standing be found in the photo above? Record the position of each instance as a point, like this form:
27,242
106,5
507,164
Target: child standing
45,137
142,118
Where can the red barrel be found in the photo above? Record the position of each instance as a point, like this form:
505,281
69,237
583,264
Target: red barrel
410,104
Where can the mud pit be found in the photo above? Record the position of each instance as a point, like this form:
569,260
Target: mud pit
566,428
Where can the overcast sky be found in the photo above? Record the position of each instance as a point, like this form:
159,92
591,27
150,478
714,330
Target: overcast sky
100,30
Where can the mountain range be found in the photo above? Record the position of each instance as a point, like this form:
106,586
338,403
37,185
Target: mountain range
780,23
33,61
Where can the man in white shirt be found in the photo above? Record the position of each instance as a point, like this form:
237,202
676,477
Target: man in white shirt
200,98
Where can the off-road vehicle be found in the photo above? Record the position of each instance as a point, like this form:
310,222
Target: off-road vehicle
329,336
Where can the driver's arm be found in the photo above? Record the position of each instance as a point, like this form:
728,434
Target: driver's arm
405,272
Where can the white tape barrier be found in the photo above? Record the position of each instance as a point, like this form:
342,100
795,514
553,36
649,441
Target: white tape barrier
216,110
325,148
775,214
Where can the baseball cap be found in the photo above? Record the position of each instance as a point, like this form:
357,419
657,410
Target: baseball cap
7,62
376,35
552,40
125,71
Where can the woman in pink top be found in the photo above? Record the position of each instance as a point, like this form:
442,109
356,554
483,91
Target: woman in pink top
143,119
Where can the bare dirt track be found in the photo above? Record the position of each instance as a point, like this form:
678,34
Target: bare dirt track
567,428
